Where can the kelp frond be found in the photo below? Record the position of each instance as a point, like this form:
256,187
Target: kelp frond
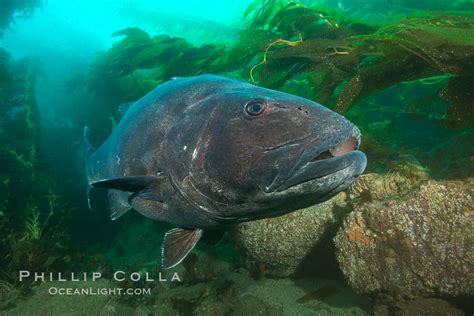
276,42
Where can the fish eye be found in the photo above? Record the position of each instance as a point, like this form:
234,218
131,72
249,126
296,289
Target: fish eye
255,108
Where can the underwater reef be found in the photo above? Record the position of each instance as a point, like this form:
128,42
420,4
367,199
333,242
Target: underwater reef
398,242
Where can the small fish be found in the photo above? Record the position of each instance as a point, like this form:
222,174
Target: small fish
207,152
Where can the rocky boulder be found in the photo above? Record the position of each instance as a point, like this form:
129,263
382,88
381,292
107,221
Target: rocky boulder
285,245
302,242
419,244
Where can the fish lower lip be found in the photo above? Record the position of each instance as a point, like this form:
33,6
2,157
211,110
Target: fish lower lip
318,169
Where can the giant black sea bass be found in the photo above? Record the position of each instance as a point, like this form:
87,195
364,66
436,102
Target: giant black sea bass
206,152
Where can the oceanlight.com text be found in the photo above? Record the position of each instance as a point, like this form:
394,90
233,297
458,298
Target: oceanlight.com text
99,291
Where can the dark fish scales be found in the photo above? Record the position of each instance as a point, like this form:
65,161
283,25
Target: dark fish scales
206,152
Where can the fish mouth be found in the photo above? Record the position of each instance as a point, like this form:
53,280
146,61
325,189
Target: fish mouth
320,160
348,145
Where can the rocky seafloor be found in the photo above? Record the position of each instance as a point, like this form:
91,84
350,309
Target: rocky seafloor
393,244
402,239
231,294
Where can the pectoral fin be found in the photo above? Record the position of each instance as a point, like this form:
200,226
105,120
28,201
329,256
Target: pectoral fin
118,201
177,244
146,194
128,184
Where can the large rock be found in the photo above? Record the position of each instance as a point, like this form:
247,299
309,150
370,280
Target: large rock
420,244
285,245
302,242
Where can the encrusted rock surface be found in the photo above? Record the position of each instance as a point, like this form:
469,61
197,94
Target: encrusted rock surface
377,187
280,246
419,244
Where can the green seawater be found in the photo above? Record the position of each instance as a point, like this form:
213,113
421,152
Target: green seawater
399,241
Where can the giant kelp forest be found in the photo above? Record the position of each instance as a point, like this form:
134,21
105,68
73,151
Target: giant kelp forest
34,215
404,77
415,71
